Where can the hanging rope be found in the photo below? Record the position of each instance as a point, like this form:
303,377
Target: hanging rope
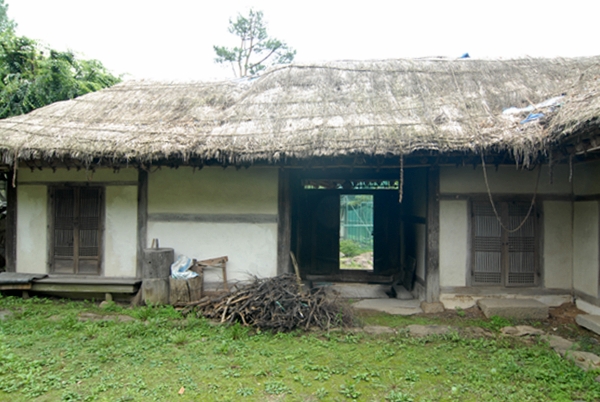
401,181
571,168
15,167
487,186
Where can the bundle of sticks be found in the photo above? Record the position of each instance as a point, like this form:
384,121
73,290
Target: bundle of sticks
278,304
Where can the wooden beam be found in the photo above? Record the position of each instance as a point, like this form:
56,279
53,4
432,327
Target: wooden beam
213,218
15,286
82,288
432,273
79,183
11,225
284,223
142,219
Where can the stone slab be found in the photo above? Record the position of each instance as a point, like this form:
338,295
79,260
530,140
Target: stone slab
360,290
559,344
402,293
585,360
4,314
589,321
521,330
390,306
514,308
587,307
426,330
378,330
432,308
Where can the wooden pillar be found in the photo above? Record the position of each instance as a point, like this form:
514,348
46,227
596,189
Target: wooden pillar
10,242
284,223
142,219
432,273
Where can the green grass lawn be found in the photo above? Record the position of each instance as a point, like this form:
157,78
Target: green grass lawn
48,354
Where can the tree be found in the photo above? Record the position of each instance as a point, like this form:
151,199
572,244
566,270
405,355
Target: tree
257,50
32,76
6,24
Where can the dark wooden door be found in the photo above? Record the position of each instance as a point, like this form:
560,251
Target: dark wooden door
318,229
386,233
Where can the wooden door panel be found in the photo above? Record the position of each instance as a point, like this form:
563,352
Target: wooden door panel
76,230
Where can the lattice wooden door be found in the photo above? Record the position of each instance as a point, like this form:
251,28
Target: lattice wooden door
501,257
76,230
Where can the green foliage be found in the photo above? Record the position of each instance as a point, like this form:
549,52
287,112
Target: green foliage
6,24
257,50
496,323
350,248
48,352
32,76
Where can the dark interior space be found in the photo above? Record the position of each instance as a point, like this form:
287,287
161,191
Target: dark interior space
326,206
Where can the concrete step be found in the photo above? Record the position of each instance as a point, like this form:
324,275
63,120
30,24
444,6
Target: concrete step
589,321
514,308
390,306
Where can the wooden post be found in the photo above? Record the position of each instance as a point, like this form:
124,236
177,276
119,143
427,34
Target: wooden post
142,219
432,273
284,223
10,243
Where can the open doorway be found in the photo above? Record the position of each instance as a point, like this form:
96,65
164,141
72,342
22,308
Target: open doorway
356,232
348,229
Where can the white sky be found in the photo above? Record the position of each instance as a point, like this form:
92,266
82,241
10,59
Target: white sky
172,40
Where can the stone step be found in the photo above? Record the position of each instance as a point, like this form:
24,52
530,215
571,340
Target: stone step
402,293
589,321
514,308
357,290
390,306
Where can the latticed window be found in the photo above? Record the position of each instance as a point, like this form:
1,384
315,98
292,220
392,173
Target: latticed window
76,230
501,256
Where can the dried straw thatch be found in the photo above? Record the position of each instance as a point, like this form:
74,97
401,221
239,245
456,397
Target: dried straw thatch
371,108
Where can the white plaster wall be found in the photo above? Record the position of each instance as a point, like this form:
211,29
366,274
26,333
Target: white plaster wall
507,179
73,175
120,234
251,248
585,247
454,234
558,244
32,229
213,190
585,178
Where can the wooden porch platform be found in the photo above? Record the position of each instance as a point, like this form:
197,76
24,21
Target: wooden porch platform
69,285
86,284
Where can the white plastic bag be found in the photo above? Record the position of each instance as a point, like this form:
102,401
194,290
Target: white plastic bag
179,269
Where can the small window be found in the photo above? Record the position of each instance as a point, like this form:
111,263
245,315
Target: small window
76,230
502,257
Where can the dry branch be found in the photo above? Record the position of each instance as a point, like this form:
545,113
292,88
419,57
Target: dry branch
276,304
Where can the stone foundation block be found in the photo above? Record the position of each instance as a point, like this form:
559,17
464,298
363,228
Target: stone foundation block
591,322
529,309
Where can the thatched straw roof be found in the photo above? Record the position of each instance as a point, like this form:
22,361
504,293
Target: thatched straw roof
370,108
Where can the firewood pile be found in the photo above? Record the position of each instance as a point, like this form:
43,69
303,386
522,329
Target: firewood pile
278,304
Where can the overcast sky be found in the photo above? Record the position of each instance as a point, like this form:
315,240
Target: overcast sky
172,40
